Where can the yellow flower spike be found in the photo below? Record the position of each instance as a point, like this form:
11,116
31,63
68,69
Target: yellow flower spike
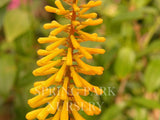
55,45
33,114
46,59
59,5
75,78
76,115
92,22
85,53
64,113
76,45
64,89
58,30
90,15
76,8
51,9
57,93
69,57
60,73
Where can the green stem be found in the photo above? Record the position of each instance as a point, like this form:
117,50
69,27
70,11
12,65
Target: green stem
152,31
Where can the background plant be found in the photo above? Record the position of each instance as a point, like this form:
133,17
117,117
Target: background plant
131,61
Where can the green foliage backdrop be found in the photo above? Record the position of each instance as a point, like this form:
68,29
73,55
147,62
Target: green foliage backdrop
131,80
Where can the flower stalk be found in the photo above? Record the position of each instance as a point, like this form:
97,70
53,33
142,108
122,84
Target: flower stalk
59,95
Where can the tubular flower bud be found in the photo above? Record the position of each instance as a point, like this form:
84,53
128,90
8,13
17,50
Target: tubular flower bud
60,94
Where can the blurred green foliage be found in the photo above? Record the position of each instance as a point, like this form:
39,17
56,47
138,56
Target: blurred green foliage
131,78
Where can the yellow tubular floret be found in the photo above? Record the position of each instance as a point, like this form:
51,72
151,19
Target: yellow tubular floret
46,67
53,24
46,59
92,4
94,50
76,45
51,9
58,30
57,115
64,89
64,113
76,115
50,39
55,45
76,8
59,5
33,114
85,53
60,73
53,105
75,78
43,114
90,15
92,22
69,57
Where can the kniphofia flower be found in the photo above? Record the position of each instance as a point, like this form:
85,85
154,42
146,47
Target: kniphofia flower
59,96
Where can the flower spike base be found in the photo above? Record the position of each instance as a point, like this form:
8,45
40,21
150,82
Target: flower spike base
58,97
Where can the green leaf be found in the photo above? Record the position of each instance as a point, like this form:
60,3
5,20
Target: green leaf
152,75
147,103
7,74
112,112
141,3
154,47
3,2
16,22
128,16
124,62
